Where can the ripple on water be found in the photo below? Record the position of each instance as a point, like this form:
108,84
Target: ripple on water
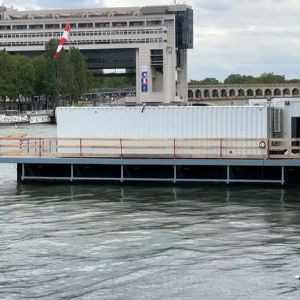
111,242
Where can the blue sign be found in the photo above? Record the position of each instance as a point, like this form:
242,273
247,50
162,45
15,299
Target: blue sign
144,82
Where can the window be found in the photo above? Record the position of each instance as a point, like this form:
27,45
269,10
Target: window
36,26
51,26
119,24
5,27
102,24
154,23
19,27
85,25
136,23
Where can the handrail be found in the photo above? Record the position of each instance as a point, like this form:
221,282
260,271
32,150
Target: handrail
222,148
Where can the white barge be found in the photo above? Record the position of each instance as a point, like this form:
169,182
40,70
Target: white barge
13,117
255,144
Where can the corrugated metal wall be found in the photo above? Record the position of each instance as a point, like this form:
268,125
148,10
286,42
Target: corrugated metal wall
163,122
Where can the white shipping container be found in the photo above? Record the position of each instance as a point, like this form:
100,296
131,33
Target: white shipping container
163,122
167,122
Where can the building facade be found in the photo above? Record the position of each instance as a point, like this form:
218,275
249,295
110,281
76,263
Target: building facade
152,40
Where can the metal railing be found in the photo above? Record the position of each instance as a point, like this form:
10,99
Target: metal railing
218,148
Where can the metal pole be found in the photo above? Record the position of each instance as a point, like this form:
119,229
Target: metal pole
72,173
228,174
282,176
175,172
174,148
121,148
80,141
23,172
70,62
40,147
221,147
122,172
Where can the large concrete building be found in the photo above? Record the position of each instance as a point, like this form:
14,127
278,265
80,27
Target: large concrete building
151,40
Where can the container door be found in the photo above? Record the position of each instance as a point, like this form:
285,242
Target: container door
296,133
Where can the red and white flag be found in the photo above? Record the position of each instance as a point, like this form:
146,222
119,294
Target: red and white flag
65,38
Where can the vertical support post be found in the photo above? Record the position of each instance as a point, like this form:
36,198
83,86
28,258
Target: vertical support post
122,172
282,176
56,146
175,173
221,148
174,148
21,146
28,150
80,145
23,172
228,175
121,149
72,173
40,147
268,148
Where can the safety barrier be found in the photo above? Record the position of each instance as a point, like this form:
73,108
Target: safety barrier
219,148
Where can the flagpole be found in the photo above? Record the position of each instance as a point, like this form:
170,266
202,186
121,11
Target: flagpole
70,64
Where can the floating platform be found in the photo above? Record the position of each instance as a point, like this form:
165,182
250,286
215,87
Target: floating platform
173,161
174,171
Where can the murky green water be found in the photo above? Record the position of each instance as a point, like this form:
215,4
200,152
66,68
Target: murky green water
143,242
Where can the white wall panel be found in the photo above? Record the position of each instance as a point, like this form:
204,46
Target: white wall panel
163,122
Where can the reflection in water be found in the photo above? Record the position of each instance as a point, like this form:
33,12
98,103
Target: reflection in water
111,242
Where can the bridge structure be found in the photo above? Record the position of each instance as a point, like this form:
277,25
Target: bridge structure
111,95
213,94
240,93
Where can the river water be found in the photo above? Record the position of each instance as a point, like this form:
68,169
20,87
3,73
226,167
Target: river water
145,242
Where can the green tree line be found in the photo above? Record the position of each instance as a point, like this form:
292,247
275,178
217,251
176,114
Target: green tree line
25,80
265,78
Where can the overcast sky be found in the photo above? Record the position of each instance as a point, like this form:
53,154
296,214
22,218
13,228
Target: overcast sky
231,36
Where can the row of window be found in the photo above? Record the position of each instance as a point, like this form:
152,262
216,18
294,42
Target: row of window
79,33
82,25
88,42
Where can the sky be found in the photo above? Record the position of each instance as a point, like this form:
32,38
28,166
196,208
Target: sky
246,37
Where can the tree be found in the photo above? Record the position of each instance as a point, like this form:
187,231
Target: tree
52,74
23,78
7,77
239,79
66,76
39,66
205,81
78,74
294,81
271,78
